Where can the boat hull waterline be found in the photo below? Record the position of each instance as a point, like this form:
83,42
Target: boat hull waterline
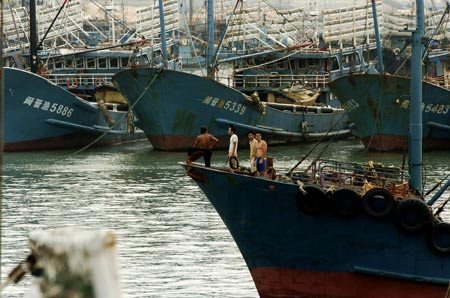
291,254
379,107
171,106
40,115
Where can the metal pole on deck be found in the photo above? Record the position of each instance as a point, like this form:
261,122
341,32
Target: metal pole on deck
210,27
415,125
377,37
33,38
163,33
1,133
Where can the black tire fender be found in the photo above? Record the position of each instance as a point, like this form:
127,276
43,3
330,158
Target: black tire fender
439,239
378,202
312,200
412,215
347,202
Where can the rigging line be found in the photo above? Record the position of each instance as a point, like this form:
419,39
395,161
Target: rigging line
15,26
437,185
120,119
323,149
186,24
281,14
269,62
112,15
216,54
53,22
316,145
1,131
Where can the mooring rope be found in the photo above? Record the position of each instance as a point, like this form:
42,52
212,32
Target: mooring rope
120,119
317,144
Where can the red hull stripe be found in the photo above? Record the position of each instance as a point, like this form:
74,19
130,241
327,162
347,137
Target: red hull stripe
284,282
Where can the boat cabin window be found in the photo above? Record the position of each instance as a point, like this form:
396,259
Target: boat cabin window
68,63
78,63
58,63
292,64
350,60
90,63
102,63
368,55
144,60
124,61
334,63
281,65
114,63
301,64
9,61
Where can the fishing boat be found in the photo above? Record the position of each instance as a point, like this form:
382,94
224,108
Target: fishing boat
379,103
335,42
170,111
66,100
338,229
40,115
86,72
171,106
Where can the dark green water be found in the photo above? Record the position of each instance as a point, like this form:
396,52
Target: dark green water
170,241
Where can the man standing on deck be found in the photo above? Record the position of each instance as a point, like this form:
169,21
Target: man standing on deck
261,154
202,146
252,142
232,150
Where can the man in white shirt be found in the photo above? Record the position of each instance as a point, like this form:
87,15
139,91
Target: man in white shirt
232,150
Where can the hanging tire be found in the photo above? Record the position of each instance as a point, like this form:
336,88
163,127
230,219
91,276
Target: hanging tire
439,239
378,202
412,215
312,201
347,202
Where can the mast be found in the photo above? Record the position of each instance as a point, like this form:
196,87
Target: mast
210,34
163,33
1,132
377,37
33,38
415,125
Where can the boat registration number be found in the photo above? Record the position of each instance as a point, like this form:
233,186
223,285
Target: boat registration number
48,106
435,108
228,105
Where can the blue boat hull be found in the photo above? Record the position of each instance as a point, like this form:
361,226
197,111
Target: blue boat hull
171,106
291,254
40,115
379,107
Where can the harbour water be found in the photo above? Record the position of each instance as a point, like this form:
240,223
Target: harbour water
170,241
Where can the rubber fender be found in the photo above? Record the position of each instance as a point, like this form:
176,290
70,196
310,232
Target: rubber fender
412,215
378,202
346,202
439,238
312,200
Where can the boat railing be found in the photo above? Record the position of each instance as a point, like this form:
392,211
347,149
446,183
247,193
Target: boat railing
80,80
73,80
361,176
443,81
274,79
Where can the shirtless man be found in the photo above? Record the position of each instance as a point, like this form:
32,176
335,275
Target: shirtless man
252,143
261,153
202,146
